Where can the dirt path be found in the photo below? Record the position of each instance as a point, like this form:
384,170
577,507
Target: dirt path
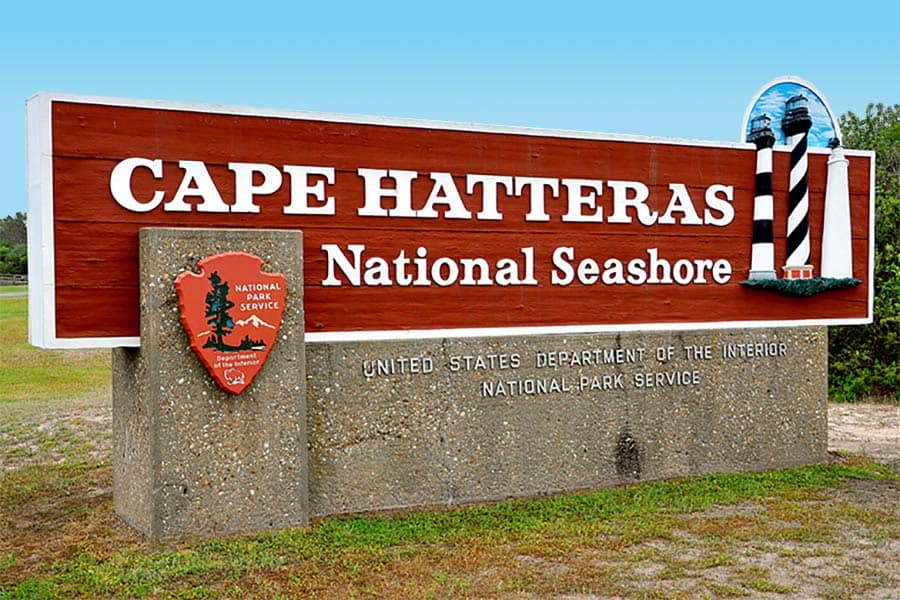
869,429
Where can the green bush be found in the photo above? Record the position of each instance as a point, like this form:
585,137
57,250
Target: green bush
13,258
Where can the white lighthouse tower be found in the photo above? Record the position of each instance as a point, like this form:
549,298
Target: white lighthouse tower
837,247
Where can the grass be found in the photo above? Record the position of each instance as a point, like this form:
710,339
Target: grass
28,483
713,536
552,545
33,378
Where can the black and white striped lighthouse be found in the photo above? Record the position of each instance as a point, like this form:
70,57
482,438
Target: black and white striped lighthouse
762,258
796,124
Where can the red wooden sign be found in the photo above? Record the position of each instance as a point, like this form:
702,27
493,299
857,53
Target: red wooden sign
232,311
416,229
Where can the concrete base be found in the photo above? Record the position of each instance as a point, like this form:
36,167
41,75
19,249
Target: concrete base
438,422
190,459
399,424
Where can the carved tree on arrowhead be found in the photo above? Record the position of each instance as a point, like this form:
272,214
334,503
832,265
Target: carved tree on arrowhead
217,307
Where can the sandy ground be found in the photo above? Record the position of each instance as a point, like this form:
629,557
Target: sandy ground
869,429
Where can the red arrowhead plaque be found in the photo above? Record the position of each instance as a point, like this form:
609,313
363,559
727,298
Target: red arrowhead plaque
231,311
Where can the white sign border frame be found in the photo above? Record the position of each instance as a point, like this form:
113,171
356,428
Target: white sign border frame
42,269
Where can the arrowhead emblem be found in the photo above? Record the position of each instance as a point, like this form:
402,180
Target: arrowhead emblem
232,312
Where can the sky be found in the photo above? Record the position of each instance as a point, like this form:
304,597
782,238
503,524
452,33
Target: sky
672,69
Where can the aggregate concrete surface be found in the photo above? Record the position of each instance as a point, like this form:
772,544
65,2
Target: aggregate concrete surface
869,429
383,436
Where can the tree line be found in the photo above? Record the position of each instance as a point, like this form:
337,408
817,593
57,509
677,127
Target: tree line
13,249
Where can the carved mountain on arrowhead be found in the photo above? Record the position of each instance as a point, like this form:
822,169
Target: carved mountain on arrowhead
254,321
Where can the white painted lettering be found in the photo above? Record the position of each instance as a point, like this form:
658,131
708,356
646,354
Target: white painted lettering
563,273
245,189
120,184
196,182
337,258
489,183
375,193
630,194
302,190
536,200
680,202
444,192
579,201
719,198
